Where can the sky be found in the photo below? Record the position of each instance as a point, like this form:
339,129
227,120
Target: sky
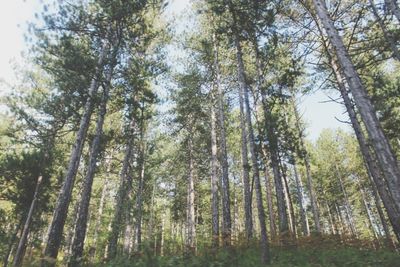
14,15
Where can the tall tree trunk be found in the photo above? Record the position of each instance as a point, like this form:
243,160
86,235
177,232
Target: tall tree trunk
61,210
101,207
372,168
306,158
348,211
19,255
214,180
82,220
299,189
380,143
386,34
224,183
288,197
244,151
139,197
191,233
121,197
271,213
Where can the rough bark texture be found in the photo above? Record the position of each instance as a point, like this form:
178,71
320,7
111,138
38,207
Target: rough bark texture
61,210
380,143
81,223
19,255
214,181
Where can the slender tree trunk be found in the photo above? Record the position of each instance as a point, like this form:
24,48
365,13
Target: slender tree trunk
306,158
19,255
61,210
348,211
214,181
299,187
224,183
386,34
268,188
288,197
101,207
82,220
191,233
368,212
139,199
123,192
380,143
244,151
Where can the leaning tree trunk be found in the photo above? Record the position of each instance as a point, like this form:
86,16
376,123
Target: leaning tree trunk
374,173
226,209
81,223
19,255
61,210
306,158
244,151
214,180
380,143
372,168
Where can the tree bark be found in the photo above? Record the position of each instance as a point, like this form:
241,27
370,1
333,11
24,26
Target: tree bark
101,208
299,187
82,220
224,183
214,180
61,210
380,143
191,234
123,191
271,213
139,197
244,151
374,173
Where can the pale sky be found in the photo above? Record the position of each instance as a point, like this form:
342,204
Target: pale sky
14,15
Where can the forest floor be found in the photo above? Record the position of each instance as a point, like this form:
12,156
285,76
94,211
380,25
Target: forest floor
327,251
308,253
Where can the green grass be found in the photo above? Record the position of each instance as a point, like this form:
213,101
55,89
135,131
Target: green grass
250,257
